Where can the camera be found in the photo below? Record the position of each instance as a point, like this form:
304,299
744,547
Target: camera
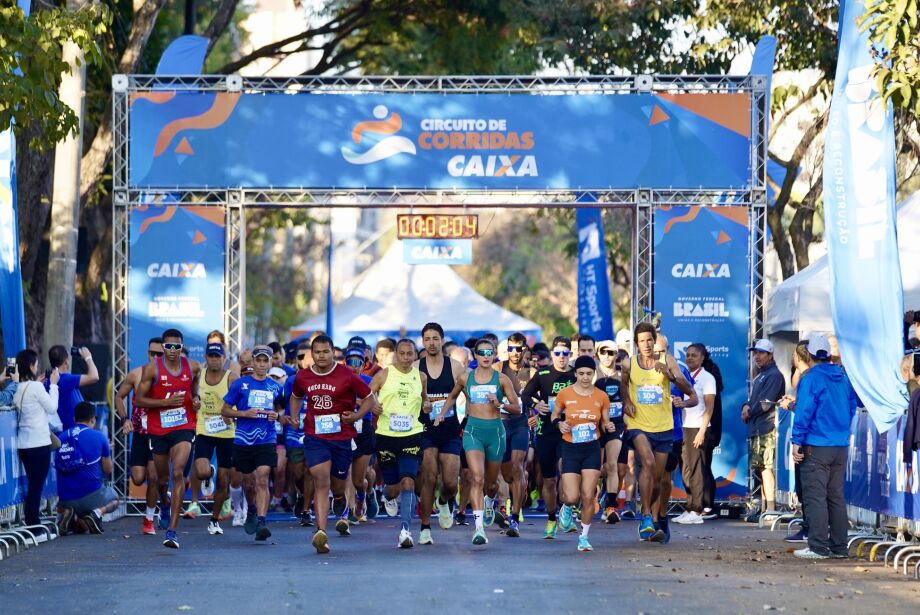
75,351
10,367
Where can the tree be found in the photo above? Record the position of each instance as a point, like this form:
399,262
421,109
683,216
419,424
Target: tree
893,27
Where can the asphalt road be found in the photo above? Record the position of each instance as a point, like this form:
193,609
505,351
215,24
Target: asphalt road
719,567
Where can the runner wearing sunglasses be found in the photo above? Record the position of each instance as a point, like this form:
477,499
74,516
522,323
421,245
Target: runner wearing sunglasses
517,431
541,392
293,439
484,435
608,380
169,391
362,475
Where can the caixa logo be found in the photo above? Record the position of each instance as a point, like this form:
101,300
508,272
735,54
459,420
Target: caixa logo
708,309
176,270
701,270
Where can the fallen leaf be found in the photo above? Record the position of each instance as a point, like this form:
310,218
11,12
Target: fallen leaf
663,594
830,580
185,607
718,556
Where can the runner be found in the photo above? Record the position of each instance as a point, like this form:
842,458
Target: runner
608,380
363,476
517,432
541,392
441,443
402,393
279,502
169,391
140,457
484,434
255,402
293,439
213,432
649,419
587,410
332,391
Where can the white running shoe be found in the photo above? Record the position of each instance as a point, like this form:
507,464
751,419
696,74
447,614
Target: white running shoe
445,518
425,538
239,518
405,539
692,518
681,517
207,485
214,528
391,506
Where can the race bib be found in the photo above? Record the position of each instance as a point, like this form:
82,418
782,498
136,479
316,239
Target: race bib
278,428
479,393
552,404
584,432
438,406
612,390
215,424
327,423
650,394
261,400
359,426
144,421
400,422
616,409
173,418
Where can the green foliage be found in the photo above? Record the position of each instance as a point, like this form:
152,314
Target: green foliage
893,28
31,66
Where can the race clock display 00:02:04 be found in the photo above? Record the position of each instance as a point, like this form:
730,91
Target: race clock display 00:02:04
437,226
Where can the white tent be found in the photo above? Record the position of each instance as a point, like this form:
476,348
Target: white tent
802,303
392,295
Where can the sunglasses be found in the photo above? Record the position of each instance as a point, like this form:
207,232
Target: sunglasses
515,349
301,357
155,353
354,362
172,346
485,352
606,353
562,353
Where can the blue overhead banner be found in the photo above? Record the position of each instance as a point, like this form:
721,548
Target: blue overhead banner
594,314
867,299
438,251
702,289
181,139
176,275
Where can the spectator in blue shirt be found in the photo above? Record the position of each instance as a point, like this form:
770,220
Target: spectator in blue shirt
69,386
81,461
8,386
825,406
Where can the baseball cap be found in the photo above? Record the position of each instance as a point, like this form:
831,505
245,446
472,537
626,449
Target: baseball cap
624,337
215,348
277,372
262,350
355,351
358,341
819,346
608,344
762,345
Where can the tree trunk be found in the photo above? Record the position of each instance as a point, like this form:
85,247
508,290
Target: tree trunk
781,242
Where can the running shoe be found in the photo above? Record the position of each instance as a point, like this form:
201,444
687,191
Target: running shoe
373,506
342,527
285,504
513,529
709,514
479,537
611,516
566,522
192,511
147,528
807,553
689,518
550,532
67,518
298,505
239,518
207,485
501,517
251,522
214,528
262,531
800,536
445,519
171,541
93,522
583,544
339,506
664,527
541,506
226,511
534,497
391,506
353,519
424,537
488,513
754,517
165,515
460,518
629,511
646,527
306,519
833,555
405,539
320,541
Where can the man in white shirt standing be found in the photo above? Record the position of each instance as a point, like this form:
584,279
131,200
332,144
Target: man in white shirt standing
697,457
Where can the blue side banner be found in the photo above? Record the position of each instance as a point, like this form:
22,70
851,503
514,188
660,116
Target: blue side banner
181,139
594,314
702,290
438,251
11,483
176,275
867,299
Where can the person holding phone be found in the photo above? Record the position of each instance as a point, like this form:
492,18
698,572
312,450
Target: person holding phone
69,394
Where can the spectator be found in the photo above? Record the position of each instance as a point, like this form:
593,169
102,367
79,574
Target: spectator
910,372
760,417
825,405
37,408
69,385
714,434
81,461
278,359
697,463
8,384
384,351
801,363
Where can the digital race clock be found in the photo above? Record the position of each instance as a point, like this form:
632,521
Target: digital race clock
437,226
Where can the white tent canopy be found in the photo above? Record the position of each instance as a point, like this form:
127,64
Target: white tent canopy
393,295
802,303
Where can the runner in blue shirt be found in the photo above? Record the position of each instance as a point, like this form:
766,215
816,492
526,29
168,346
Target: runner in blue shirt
293,441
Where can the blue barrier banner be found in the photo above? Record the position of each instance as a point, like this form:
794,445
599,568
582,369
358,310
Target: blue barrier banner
437,251
176,275
11,479
702,289
181,139
594,313
867,300
785,466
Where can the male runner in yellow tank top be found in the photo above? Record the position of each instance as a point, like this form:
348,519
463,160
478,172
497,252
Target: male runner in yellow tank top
646,387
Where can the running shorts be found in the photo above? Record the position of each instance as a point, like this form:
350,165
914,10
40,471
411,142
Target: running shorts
486,435
399,457
578,457
206,445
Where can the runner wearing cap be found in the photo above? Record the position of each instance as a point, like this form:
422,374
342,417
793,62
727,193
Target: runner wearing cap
255,401
608,377
279,472
214,433
517,432
587,411
332,391
293,435
362,474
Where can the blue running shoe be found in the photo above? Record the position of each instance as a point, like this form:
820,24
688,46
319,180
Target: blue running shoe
583,544
566,522
646,527
172,541
513,529
488,514
165,516
664,526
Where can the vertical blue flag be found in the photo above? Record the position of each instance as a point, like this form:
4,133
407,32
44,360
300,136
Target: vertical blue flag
12,312
329,321
859,215
594,317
